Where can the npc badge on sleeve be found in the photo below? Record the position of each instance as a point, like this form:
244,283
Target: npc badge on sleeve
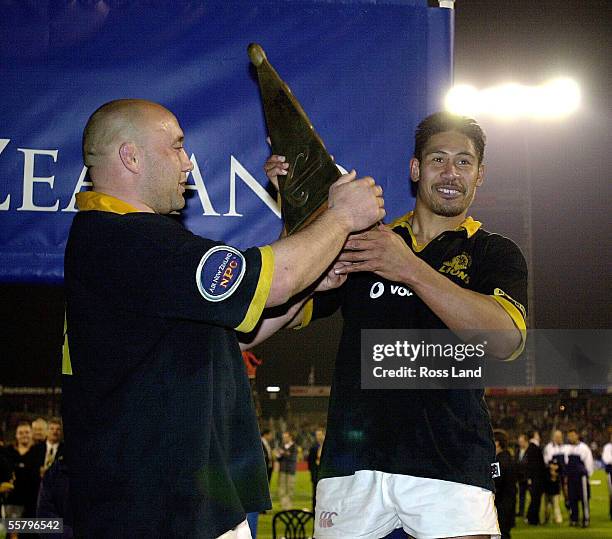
219,272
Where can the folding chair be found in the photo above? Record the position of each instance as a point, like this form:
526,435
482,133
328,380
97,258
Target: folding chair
293,524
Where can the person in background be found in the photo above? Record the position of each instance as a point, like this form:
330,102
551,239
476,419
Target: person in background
46,452
39,430
536,477
578,467
7,475
26,469
266,440
54,497
505,485
606,457
286,455
554,459
523,444
314,462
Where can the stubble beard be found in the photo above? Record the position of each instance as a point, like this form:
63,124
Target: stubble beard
450,210
447,211
180,202
161,199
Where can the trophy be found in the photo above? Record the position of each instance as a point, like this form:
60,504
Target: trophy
303,191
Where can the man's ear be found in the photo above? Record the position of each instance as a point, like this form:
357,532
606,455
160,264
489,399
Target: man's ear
128,153
481,173
415,171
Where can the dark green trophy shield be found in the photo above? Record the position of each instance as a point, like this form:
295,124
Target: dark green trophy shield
304,189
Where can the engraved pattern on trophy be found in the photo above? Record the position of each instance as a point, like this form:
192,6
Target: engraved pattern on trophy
311,171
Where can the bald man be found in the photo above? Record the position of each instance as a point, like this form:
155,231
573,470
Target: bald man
39,430
160,429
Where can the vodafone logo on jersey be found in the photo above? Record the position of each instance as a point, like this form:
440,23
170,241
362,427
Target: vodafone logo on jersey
378,289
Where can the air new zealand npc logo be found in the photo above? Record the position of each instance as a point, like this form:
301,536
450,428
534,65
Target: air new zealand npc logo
458,266
219,272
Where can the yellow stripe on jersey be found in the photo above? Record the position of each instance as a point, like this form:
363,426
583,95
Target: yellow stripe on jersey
66,364
306,314
517,312
261,292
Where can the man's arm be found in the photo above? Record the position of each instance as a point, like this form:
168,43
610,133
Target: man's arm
272,320
291,314
304,257
468,314
588,460
548,453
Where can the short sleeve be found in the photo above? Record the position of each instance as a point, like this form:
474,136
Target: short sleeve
503,276
151,264
322,305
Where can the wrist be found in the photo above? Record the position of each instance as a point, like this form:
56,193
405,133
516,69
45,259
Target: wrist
416,275
341,218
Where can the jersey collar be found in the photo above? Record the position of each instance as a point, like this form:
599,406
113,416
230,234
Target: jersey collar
92,200
469,225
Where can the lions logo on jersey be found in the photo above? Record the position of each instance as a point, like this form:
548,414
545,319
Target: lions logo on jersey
457,267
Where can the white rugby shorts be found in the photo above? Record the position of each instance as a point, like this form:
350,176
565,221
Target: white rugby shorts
371,504
242,531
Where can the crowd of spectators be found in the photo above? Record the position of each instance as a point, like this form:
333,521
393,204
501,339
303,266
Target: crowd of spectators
589,416
33,478
33,474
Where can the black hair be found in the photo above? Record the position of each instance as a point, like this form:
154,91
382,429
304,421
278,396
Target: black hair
501,438
441,122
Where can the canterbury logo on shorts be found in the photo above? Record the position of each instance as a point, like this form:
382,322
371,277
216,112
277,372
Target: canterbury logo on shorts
325,519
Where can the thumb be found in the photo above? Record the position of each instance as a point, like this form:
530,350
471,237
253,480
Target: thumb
346,178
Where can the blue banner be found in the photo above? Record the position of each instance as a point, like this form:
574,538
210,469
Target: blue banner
366,72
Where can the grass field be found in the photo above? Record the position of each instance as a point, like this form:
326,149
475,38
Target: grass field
601,525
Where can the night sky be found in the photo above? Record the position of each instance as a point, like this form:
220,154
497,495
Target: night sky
562,165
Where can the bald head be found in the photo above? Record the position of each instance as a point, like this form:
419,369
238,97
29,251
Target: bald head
134,151
39,430
115,123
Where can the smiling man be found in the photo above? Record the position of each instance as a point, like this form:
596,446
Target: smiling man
161,434
419,459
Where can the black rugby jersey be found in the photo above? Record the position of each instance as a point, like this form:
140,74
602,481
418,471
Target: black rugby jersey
161,435
441,434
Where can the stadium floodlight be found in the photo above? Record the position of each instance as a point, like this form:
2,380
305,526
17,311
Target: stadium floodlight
554,99
272,389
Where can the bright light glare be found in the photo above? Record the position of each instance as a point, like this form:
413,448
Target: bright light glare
272,389
554,99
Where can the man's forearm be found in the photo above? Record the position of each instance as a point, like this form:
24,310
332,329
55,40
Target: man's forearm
271,324
301,259
468,314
